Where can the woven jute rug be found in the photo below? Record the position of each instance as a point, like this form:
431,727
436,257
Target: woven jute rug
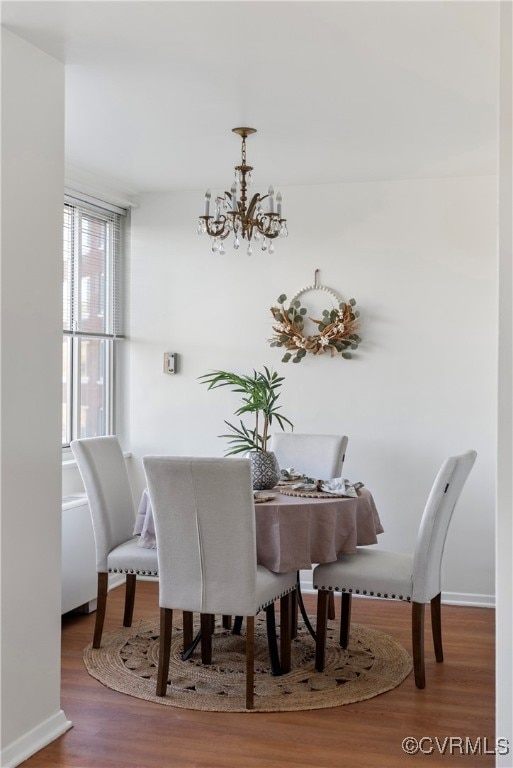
372,664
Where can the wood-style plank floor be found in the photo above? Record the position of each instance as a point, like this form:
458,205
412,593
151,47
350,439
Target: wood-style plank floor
112,730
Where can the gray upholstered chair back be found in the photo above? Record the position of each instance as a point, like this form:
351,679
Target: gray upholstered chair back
434,525
102,466
205,527
317,456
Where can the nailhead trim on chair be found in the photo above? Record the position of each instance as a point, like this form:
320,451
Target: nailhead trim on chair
274,599
155,573
131,570
363,592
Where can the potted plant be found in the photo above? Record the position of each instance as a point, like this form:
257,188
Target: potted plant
259,397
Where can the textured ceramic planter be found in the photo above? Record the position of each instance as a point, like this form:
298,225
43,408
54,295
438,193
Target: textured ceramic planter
265,470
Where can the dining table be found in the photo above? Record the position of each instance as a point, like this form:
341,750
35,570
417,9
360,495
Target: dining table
296,530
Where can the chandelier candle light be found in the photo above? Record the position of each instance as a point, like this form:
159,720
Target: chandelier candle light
244,221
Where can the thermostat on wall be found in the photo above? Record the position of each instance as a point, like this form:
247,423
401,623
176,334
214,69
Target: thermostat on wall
170,362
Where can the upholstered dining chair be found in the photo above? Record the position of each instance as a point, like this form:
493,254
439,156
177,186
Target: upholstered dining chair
103,470
414,578
317,456
206,542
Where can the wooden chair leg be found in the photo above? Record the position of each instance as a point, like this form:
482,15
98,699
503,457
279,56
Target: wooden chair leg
237,625
101,607
131,581
331,605
227,622
188,632
345,619
294,609
250,661
322,622
436,627
417,632
206,621
285,635
270,619
166,626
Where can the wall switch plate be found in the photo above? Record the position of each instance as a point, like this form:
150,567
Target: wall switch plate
170,361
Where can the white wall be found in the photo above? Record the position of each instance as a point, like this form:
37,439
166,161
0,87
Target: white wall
420,259
504,544
31,296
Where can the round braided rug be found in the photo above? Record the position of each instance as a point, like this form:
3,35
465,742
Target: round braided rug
372,664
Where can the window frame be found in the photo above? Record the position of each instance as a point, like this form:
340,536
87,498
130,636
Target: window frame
111,308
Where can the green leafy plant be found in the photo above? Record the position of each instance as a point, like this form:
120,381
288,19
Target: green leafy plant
259,397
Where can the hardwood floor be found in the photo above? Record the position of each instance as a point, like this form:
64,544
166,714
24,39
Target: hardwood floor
112,730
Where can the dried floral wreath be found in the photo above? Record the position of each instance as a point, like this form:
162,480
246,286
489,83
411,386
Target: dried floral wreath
337,330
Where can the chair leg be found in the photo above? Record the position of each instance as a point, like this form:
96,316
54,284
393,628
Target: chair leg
322,622
227,622
166,626
131,581
270,618
190,641
250,660
187,629
436,627
237,625
206,622
285,632
345,619
101,607
294,609
417,631
331,605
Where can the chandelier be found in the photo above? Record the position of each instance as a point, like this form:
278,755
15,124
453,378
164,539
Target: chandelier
258,219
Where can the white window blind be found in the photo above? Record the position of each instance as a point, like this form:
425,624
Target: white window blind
93,292
93,289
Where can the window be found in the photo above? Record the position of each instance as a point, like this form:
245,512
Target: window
93,294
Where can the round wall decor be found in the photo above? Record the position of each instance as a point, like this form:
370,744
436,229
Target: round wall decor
336,329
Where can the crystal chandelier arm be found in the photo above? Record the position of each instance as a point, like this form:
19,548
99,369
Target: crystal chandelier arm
216,227
268,225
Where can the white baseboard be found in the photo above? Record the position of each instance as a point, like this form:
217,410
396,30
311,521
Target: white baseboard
116,580
30,743
464,598
119,579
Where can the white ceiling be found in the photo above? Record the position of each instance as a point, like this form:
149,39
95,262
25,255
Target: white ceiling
339,91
